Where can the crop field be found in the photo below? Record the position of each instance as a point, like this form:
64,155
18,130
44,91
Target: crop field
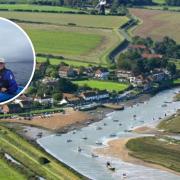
76,43
102,85
55,61
170,8
26,7
157,24
65,19
89,40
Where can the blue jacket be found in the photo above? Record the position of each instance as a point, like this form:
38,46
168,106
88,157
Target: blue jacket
7,80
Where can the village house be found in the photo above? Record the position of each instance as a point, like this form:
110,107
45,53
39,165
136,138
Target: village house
49,80
71,98
101,73
159,75
152,56
66,71
95,95
136,81
138,46
44,100
124,75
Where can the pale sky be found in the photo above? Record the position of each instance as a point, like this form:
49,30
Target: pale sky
14,46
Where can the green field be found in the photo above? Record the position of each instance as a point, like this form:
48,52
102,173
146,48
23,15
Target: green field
84,44
8,173
63,42
29,156
26,7
55,61
90,40
159,1
172,124
102,85
158,150
64,19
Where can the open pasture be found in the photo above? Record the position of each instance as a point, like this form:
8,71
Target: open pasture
157,24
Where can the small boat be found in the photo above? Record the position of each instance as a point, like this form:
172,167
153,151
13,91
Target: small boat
115,120
112,135
79,149
58,134
99,128
164,105
98,143
124,175
94,155
105,124
108,165
85,138
69,140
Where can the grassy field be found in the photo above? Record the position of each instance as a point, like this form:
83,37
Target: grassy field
70,62
90,40
29,155
159,1
161,151
172,124
8,173
102,85
59,42
64,19
157,24
26,7
85,44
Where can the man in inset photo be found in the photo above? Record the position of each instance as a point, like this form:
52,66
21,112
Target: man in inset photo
8,85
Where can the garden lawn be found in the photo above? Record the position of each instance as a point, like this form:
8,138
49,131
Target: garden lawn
102,85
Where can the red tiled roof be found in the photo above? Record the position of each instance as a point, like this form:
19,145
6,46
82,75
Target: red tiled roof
138,46
150,56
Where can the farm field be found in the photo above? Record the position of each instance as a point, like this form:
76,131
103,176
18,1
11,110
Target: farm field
55,61
157,24
29,156
109,22
170,8
90,40
162,151
102,85
84,44
26,7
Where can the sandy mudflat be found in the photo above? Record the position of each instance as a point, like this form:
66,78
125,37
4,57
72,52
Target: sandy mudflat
116,148
56,121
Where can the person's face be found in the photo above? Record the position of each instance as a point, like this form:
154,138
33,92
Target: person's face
2,65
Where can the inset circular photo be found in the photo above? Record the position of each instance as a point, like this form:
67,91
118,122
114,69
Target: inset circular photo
17,61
